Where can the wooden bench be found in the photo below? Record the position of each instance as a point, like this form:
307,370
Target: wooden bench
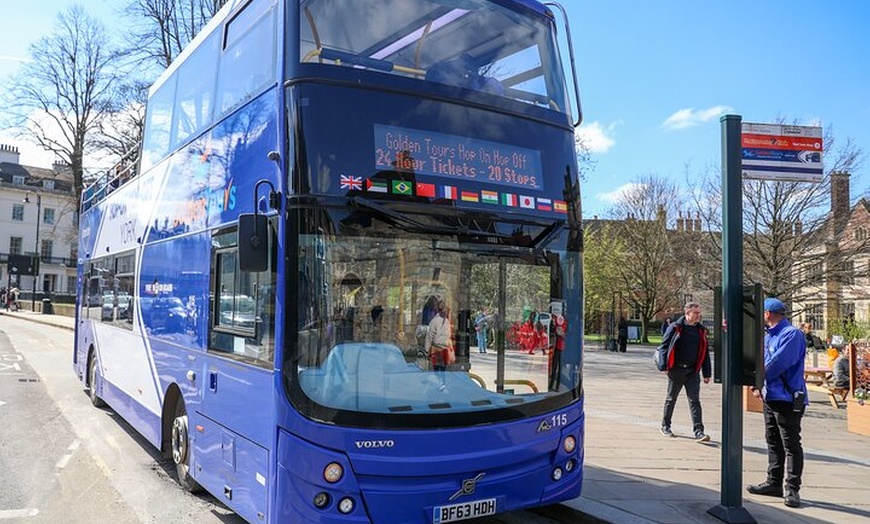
832,392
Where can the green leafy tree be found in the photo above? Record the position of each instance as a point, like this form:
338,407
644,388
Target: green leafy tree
603,252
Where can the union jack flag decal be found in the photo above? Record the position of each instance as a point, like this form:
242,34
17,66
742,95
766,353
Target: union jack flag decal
351,182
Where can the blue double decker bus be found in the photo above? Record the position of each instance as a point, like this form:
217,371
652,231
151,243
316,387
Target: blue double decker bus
284,289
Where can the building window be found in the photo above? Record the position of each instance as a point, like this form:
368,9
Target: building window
814,315
18,180
15,245
860,234
48,184
48,216
814,272
46,249
847,275
18,212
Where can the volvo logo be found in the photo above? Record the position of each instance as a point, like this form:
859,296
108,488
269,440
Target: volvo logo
373,444
468,486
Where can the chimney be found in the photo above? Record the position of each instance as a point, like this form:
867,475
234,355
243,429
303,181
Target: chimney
661,214
798,228
62,169
9,154
697,221
840,201
679,221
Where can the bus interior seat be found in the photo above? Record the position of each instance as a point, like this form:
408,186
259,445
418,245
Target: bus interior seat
357,371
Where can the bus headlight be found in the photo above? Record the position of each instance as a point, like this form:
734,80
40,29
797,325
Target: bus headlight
346,505
321,500
569,444
557,474
569,466
333,472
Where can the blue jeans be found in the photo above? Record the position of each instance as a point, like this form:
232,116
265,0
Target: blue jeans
481,340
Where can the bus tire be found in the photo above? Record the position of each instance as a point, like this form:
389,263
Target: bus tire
92,382
180,448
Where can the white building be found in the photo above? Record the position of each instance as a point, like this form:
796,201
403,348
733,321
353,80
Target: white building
37,215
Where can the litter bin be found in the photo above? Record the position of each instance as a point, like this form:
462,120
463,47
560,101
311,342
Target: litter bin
47,308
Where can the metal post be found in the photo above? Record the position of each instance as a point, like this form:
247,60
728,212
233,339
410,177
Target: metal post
35,250
731,509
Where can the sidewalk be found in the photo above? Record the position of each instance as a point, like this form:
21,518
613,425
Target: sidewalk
49,320
634,475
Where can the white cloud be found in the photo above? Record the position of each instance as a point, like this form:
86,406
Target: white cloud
690,117
595,137
613,196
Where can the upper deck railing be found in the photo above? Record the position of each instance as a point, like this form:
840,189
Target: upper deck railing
122,172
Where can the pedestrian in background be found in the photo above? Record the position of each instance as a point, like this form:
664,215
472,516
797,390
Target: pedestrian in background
785,400
665,325
685,346
481,324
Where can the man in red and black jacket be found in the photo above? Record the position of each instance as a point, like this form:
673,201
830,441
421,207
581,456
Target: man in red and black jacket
685,344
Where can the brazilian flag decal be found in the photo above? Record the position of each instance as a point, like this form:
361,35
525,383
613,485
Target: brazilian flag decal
401,187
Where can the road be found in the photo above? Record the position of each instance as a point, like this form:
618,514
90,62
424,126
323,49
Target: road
65,461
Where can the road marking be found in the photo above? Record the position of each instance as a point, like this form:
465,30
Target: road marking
64,460
17,513
2,403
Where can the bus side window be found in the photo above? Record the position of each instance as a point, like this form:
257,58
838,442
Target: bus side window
242,312
248,58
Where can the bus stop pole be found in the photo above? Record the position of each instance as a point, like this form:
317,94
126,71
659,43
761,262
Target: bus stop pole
731,508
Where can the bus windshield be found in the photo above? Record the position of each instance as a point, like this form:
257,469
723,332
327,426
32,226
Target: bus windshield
379,304
472,44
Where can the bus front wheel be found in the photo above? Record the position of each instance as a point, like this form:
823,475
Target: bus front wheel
181,448
92,382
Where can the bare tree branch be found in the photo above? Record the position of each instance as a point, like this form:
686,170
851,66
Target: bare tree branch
61,96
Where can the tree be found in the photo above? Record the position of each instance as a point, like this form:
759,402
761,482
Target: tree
786,227
61,96
651,271
169,25
603,252
121,131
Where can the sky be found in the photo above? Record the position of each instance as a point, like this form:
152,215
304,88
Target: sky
655,77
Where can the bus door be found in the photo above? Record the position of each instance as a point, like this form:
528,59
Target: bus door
235,419
509,301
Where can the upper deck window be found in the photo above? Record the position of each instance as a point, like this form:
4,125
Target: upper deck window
474,44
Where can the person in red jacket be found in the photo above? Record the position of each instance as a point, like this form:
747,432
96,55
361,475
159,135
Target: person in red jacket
687,358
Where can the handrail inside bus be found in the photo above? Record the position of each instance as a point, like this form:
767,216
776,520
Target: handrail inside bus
119,174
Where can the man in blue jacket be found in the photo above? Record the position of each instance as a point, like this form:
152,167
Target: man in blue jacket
685,358
785,400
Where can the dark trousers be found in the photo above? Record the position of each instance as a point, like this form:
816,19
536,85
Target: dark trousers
785,455
678,378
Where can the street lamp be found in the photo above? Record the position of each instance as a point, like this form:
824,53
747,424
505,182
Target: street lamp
35,248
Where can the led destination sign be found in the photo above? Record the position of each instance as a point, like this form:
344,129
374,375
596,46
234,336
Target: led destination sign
450,156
